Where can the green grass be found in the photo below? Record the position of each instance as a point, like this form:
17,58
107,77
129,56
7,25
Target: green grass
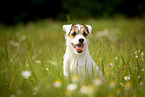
44,41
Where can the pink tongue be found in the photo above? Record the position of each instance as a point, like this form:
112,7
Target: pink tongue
79,48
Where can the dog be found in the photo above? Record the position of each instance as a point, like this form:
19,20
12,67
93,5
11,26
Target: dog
77,59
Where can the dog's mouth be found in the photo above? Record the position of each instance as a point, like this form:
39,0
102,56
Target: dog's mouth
78,47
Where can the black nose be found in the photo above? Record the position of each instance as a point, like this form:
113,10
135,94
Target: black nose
81,40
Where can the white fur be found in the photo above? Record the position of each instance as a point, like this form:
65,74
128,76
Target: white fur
78,63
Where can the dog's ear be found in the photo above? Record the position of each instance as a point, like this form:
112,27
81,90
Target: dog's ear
67,28
89,28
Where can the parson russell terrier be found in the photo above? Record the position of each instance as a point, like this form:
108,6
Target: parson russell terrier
77,59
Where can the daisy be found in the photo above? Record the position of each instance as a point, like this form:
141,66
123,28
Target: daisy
57,83
88,90
127,78
26,74
97,82
38,61
75,78
142,53
72,87
111,64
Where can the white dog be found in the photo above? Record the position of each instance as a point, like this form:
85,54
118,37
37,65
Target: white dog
77,59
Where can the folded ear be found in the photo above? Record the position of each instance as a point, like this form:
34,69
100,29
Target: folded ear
89,28
67,28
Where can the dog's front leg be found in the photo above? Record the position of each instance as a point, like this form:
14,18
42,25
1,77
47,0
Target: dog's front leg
66,68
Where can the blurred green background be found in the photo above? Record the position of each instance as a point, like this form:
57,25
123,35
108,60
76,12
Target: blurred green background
15,11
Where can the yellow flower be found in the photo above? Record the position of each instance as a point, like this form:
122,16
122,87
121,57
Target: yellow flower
142,59
68,92
27,65
118,91
138,76
111,64
57,83
141,83
127,85
75,78
142,53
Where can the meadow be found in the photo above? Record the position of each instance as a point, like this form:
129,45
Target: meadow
31,59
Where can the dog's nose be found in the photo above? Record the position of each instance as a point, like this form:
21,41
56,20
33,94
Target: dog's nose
81,40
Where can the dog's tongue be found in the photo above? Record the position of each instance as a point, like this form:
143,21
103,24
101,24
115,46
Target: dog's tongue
79,47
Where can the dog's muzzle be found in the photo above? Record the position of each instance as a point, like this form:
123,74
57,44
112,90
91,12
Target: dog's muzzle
79,47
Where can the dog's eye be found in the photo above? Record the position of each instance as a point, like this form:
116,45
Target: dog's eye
74,34
85,34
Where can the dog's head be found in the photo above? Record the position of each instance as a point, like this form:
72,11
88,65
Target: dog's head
77,36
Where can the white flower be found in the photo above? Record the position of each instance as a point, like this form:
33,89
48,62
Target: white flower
47,69
127,78
115,58
88,90
38,61
111,64
142,53
26,74
136,56
72,87
135,52
97,82
75,78
57,83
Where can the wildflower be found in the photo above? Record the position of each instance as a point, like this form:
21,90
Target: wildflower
38,61
142,59
47,69
72,87
97,82
115,58
135,52
57,83
88,90
111,64
122,84
138,76
75,78
136,56
141,83
127,78
15,44
34,93
127,85
142,53
143,69
68,92
139,51
112,84
27,65
118,91
26,74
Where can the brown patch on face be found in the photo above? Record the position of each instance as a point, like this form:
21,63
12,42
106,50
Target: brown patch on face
74,31
84,31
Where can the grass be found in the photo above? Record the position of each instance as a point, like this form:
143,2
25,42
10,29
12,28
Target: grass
115,45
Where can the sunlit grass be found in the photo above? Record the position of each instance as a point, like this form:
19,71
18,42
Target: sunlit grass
37,50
